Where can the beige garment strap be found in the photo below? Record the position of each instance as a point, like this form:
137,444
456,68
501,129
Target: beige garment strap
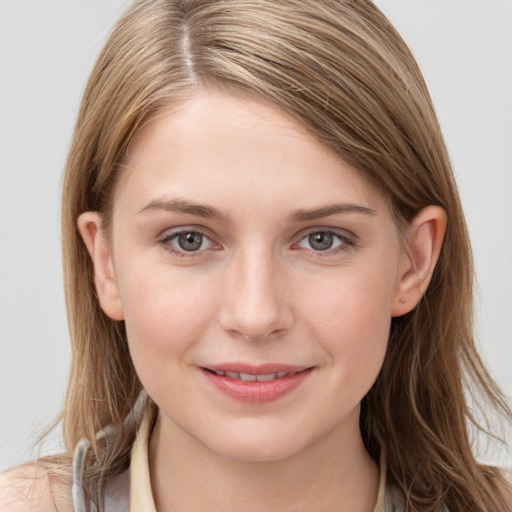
141,496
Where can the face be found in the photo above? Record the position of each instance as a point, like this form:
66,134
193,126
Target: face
257,275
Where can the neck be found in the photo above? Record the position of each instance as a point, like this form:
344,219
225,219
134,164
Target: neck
335,474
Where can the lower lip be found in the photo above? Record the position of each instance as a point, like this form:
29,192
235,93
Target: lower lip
255,392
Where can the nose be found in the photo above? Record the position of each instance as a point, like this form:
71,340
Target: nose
254,306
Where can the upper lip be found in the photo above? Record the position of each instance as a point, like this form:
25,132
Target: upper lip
260,369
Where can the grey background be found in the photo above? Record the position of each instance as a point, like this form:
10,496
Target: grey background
47,50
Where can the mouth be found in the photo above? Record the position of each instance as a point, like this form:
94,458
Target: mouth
256,384
252,377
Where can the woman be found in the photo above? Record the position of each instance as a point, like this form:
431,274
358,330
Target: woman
268,273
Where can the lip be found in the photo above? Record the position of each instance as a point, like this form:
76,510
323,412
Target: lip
255,391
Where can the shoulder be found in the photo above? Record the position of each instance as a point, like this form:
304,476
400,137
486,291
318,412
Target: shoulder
26,489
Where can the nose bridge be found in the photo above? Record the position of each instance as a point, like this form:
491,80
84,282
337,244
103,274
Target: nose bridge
255,306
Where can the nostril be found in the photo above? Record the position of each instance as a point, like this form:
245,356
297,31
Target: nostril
258,335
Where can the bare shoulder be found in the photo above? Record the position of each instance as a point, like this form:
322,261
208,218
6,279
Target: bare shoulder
26,489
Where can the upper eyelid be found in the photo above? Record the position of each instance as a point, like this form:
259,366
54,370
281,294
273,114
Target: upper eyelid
165,240
340,232
343,233
171,232
348,241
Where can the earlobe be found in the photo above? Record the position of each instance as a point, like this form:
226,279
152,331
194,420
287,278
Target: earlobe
89,225
424,242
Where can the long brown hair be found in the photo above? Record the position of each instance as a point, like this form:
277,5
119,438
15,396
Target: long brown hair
342,71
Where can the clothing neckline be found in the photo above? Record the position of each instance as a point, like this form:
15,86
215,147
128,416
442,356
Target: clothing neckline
141,495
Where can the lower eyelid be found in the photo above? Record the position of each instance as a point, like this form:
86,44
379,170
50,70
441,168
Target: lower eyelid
166,242
343,239
345,242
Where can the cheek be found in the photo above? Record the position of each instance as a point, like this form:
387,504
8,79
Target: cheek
166,313
351,315
352,299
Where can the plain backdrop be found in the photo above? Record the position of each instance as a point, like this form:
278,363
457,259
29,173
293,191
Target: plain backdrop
47,49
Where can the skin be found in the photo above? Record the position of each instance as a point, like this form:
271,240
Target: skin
257,291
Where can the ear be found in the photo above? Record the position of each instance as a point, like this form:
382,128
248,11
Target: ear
424,241
89,226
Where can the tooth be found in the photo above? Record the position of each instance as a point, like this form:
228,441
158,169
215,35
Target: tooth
233,375
280,375
220,372
247,377
265,378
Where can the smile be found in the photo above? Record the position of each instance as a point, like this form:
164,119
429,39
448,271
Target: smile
249,377
256,385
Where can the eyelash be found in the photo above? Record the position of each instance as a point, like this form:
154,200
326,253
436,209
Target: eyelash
168,238
345,242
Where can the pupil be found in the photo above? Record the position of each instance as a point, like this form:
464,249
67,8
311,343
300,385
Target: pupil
321,241
190,241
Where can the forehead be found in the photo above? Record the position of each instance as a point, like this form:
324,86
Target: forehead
222,146
210,116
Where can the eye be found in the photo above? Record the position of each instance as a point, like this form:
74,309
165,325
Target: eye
190,241
187,242
323,241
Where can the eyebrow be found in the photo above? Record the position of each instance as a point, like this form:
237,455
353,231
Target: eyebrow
326,211
208,212
186,208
